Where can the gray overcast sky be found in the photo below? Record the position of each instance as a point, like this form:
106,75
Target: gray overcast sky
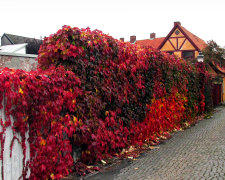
119,18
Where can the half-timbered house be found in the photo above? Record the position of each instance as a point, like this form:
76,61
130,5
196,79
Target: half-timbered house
179,42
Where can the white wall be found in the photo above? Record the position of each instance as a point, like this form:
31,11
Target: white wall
12,166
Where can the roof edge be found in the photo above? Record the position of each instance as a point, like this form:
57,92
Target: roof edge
213,66
18,55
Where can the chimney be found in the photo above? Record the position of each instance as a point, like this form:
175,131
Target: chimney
152,36
177,23
132,39
122,39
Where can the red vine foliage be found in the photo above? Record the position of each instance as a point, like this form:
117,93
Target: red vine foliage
44,103
111,95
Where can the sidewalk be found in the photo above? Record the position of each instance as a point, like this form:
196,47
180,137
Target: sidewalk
196,153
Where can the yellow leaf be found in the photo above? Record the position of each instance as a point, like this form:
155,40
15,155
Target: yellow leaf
107,113
42,142
52,176
88,152
89,167
131,149
75,119
153,147
53,123
25,119
20,91
80,123
43,112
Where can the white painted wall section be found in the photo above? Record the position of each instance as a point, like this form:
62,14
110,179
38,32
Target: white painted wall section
12,166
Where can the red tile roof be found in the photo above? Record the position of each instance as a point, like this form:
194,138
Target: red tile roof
150,43
198,41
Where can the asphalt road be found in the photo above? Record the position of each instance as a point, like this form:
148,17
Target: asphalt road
197,153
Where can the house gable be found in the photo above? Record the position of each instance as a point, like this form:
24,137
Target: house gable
32,47
179,39
179,42
5,40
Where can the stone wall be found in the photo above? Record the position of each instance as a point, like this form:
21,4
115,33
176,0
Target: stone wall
18,61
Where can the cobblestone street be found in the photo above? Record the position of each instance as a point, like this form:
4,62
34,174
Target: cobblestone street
196,153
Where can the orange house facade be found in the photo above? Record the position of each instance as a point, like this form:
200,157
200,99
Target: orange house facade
180,42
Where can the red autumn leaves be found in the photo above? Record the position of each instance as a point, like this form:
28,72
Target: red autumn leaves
111,95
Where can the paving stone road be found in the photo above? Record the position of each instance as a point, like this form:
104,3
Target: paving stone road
197,153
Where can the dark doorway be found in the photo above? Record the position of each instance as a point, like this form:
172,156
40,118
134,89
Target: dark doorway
217,88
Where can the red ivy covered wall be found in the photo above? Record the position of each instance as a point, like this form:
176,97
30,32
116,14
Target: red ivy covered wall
111,95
